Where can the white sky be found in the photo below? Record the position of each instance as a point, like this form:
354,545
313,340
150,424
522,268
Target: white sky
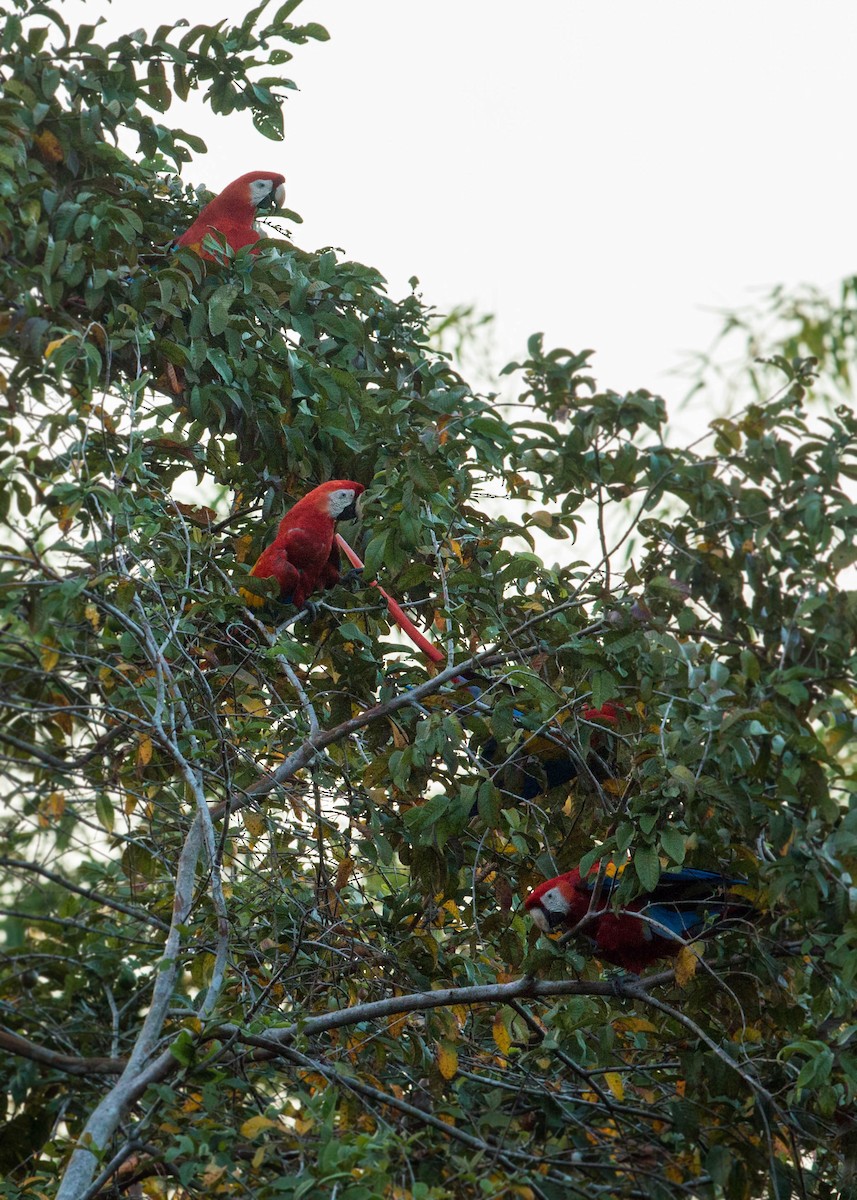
606,172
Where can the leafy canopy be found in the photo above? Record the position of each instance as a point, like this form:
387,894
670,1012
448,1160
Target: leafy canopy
263,881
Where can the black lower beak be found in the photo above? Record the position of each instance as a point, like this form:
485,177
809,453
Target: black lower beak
350,513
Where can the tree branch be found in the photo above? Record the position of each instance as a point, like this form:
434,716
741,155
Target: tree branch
71,1064
138,914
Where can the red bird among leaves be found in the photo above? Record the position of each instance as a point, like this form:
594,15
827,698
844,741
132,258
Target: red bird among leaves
684,905
304,556
232,214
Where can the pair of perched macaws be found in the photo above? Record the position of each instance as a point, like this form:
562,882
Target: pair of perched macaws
304,558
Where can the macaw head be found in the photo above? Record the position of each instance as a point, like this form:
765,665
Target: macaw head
338,498
259,189
559,901
232,214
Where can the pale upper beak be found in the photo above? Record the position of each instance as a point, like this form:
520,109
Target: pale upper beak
280,196
540,918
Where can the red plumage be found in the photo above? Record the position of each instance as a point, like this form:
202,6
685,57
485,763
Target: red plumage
684,905
232,214
304,556
609,713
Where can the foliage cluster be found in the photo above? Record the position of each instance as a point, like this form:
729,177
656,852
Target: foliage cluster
263,930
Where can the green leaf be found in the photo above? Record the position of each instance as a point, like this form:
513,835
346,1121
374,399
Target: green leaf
183,1048
104,811
604,687
673,842
218,308
647,866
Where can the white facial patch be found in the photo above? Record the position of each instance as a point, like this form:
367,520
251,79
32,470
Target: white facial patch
339,501
260,189
550,911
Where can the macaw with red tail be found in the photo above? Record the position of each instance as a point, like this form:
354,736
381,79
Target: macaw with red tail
304,556
684,905
543,761
232,214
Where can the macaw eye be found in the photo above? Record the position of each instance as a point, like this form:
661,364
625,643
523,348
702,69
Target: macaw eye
262,192
554,902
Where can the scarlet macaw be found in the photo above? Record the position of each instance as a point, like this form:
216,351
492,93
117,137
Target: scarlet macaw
232,214
684,905
304,555
545,762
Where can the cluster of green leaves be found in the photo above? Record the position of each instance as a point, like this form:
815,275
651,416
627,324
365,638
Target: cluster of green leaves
704,595
799,322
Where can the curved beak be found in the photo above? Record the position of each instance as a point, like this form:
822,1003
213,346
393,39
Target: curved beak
280,196
352,512
541,919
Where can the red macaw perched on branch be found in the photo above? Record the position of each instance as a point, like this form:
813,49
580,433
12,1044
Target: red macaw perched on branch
232,214
684,905
304,555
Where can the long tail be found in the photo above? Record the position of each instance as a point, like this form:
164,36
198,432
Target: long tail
429,649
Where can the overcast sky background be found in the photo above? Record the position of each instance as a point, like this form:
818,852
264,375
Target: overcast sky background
607,173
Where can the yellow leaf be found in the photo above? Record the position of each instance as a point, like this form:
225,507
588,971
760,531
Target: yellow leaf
634,1025
400,738
61,718
49,654
48,146
447,1059
616,787
92,615
396,1024
144,750
254,823
51,809
242,547
616,1084
673,1174
256,1125
212,1175
53,346
303,1124
250,599
254,705
686,962
459,1012
752,1034
343,873
501,1035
